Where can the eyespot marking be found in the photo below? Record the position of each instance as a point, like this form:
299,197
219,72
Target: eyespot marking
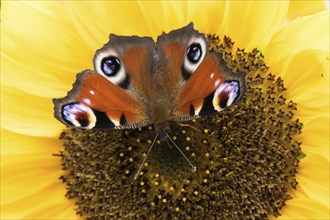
110,66
195,53
79,115
226,95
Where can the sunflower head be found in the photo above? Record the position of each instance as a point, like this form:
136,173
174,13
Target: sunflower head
246,157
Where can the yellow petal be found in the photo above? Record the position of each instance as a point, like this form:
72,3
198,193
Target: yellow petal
39,205
313,178
303,209
204,13
17,146
309,32
32,185
25,176
44,60
300,8
28,114
315,137
307,81
59,210
201,13
252,23
94,21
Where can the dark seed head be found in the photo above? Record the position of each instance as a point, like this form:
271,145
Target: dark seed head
246,159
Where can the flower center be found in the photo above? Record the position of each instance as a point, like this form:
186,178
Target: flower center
246,158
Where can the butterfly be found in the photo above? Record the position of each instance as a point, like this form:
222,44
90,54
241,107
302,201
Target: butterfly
137,82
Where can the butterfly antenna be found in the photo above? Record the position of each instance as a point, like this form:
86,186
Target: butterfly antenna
144,160
192,166
190,126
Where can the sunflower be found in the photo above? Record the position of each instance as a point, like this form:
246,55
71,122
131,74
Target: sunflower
44,44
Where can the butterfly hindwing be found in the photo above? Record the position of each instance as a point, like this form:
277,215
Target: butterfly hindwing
212,87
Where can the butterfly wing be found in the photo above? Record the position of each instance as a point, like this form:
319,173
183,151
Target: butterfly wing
212,87
200,82
113,96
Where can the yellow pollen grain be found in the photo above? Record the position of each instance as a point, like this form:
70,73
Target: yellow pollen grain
183,131
174,138
130,148
204,180
194,120
149,127
206,131
131,159
207,154
121,154
158,142
182,190
142,183
138,140
184,199
171,188
207,171
188,139
127,171
187,148
157,175
204,141
164,200
156,183
193,154
149,141
152,203
177,209
146,164
159,196
196,193
143,191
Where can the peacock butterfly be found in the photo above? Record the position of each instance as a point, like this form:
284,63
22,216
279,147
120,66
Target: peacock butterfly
137,82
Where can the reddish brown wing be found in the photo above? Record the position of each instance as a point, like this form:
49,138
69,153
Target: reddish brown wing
95,102
199,83
212,87
116,93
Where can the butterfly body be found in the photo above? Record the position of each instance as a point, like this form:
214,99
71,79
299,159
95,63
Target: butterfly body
137,82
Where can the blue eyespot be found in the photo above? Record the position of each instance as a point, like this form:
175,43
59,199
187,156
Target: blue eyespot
110,65
194,52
